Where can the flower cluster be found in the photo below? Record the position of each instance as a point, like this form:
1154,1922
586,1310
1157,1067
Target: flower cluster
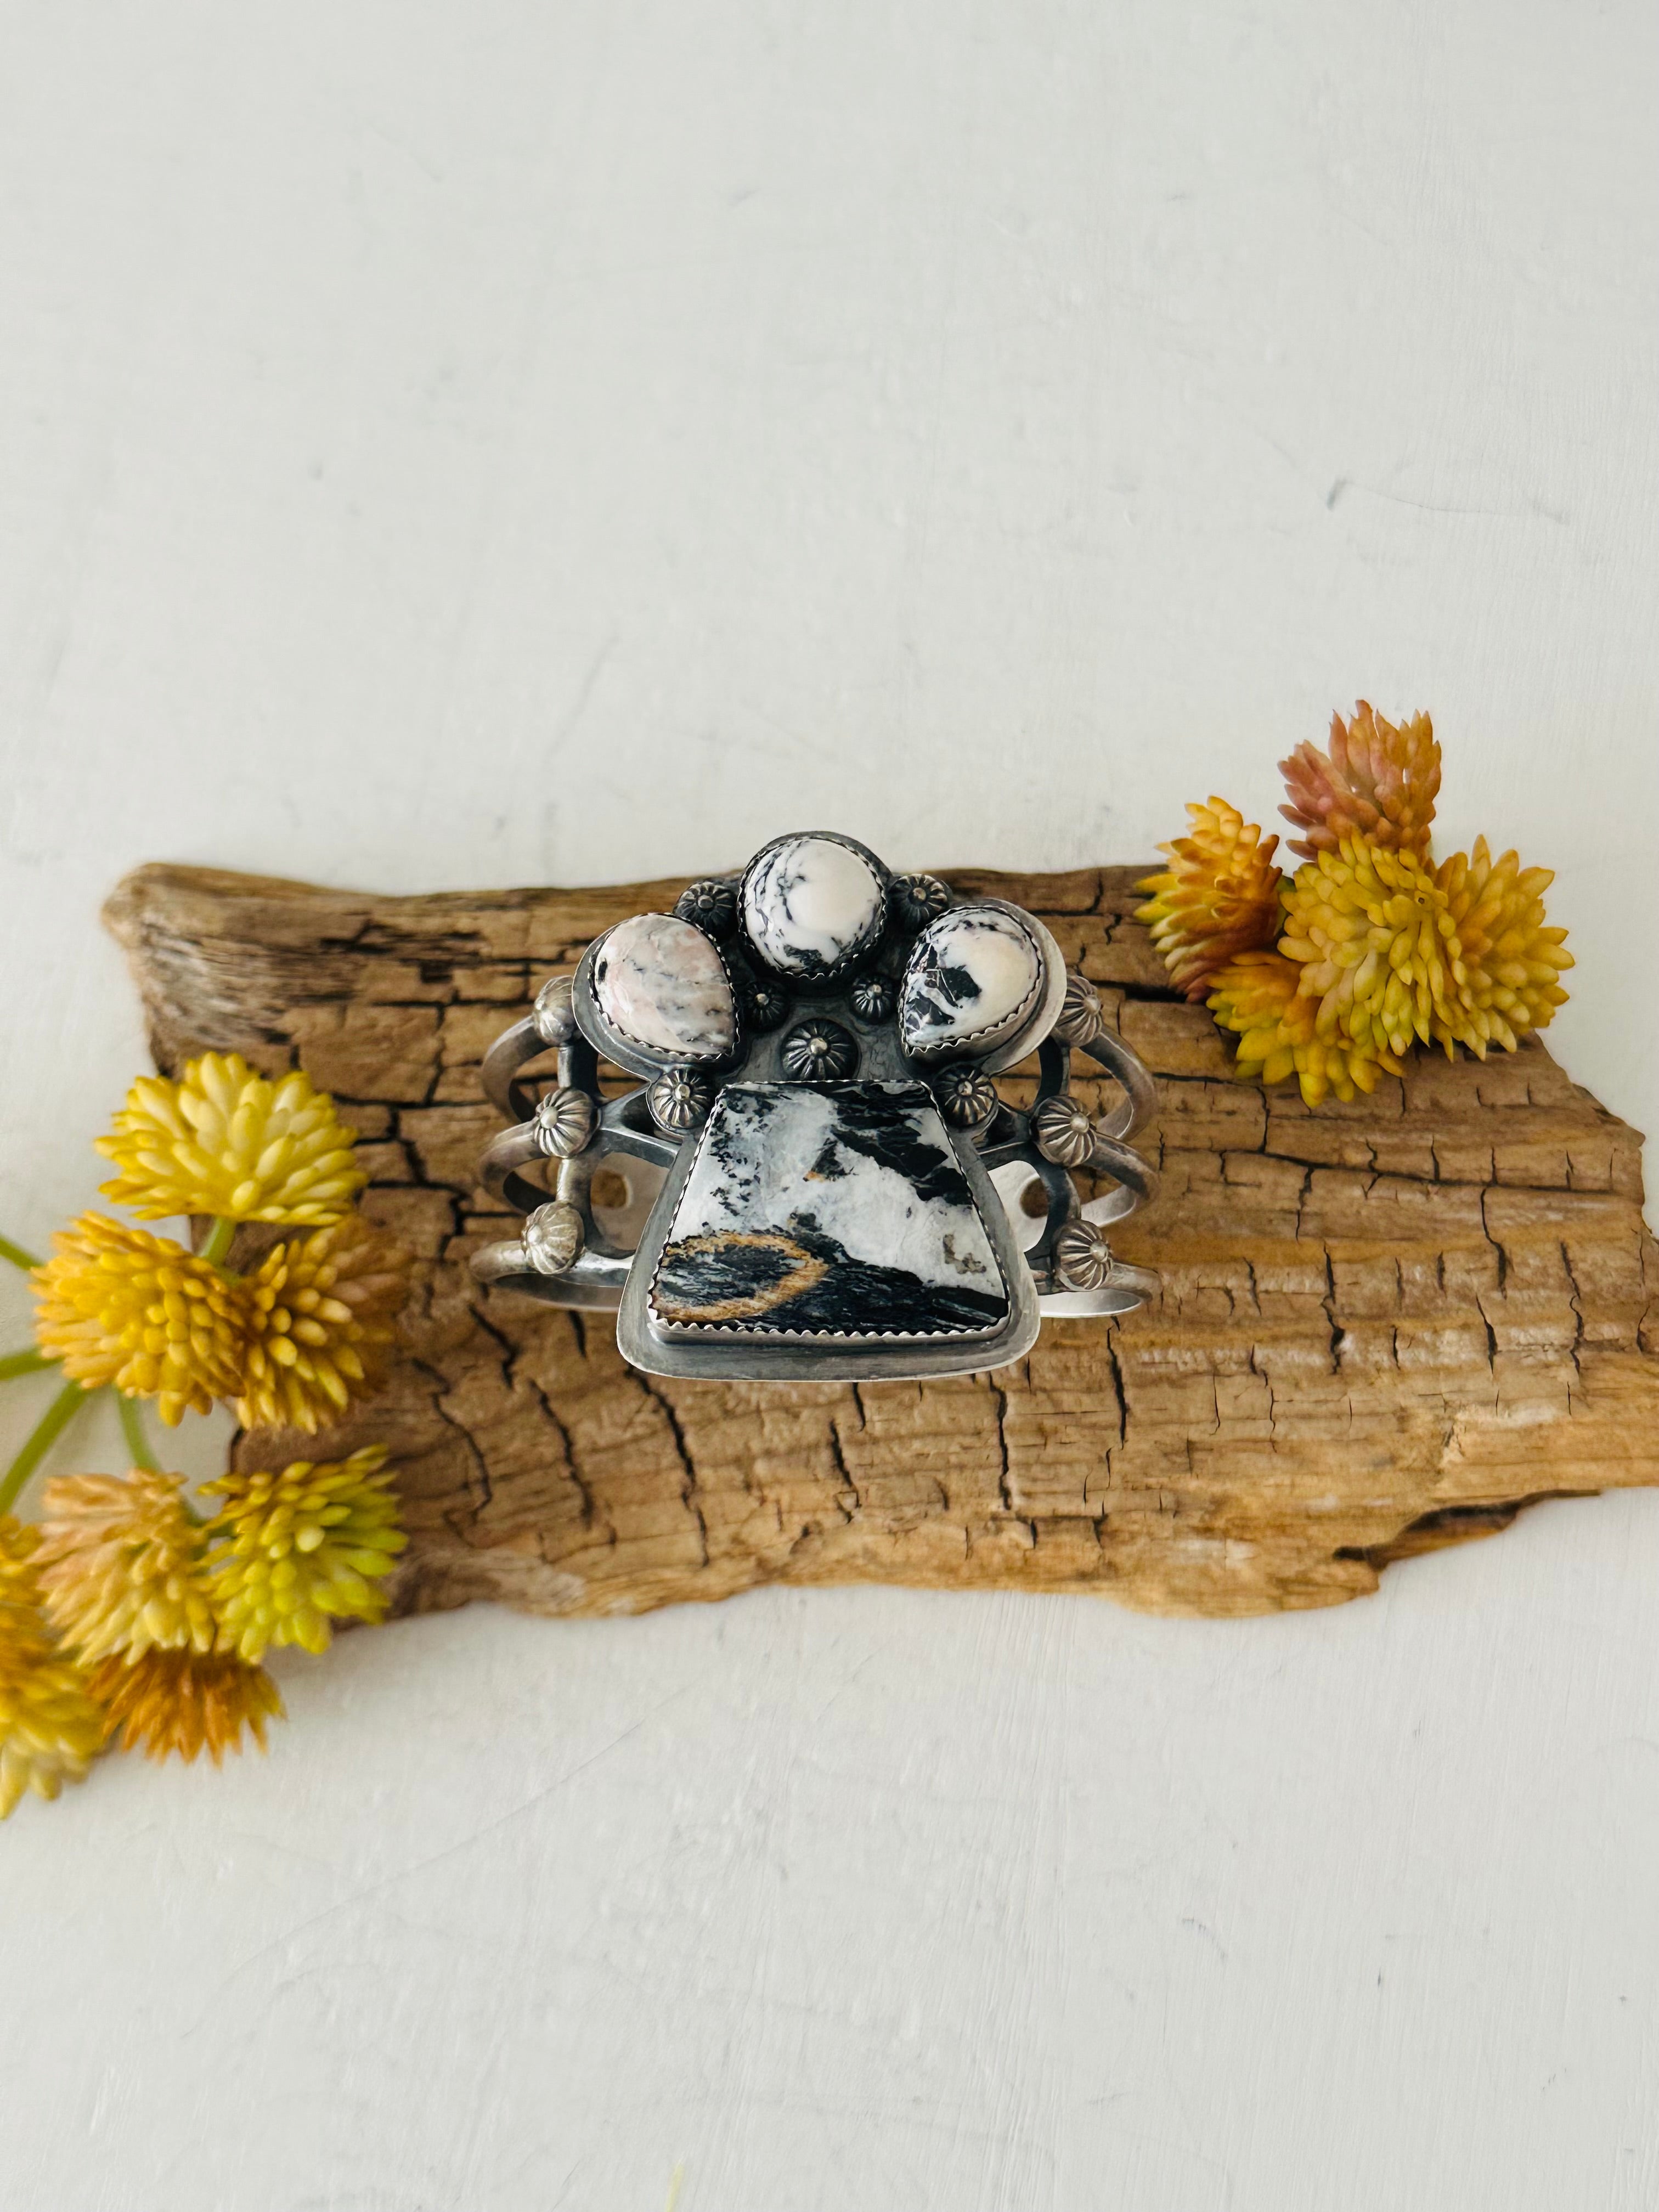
127,1614
303,1547
294,1342
125,1574
1218,896
225,1141
1333,973
51,1727
170,1615
117,1305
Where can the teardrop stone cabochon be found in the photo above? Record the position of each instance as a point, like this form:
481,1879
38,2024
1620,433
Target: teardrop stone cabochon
973,975
812,904
661,984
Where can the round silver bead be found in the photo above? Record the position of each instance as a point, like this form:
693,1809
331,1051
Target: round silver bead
967,1097
555,1015
710,906
820,1052
1063,1132
553,1238
564,1123
679,1100
915,900
1083,1258
765,1003
1080,1019
874,998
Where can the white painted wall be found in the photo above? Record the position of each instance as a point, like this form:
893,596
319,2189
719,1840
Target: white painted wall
446,445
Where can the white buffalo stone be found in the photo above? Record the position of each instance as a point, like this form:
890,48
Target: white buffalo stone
828,1212
972,976
661,984
811,904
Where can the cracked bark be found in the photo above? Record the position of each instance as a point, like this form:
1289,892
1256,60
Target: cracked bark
1384,1327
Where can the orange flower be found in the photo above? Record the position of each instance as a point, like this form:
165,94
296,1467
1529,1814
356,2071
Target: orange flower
1378,781
185,1701
1219,895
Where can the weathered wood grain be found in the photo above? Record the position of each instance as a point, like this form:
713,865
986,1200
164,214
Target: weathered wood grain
1384,1327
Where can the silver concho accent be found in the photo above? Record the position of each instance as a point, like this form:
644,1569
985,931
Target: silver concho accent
564,1123
820,1052
967,1097
1081,1017
555,1016
710,906
679,1100
915,900
873,998
1063,1132
1083,1258
765,1003
553,1238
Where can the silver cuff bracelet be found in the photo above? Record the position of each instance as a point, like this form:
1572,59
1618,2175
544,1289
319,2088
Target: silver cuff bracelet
817,1176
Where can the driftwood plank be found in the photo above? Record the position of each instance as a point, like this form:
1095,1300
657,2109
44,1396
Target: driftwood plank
1384,1327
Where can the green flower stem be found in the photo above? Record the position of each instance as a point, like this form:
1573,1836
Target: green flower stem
132,1428
219,1238
24,1363
18,1257
138,1450
53,1422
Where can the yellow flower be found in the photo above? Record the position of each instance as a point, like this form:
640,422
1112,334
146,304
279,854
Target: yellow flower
1218,896
1256,997
118,1305
1379,951
312,1543
185,1701
1378,781
122,1565
1513,961
51,1730
224,1140
20,1586
321,1309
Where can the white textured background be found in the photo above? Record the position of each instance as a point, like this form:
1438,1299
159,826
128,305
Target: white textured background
449,444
